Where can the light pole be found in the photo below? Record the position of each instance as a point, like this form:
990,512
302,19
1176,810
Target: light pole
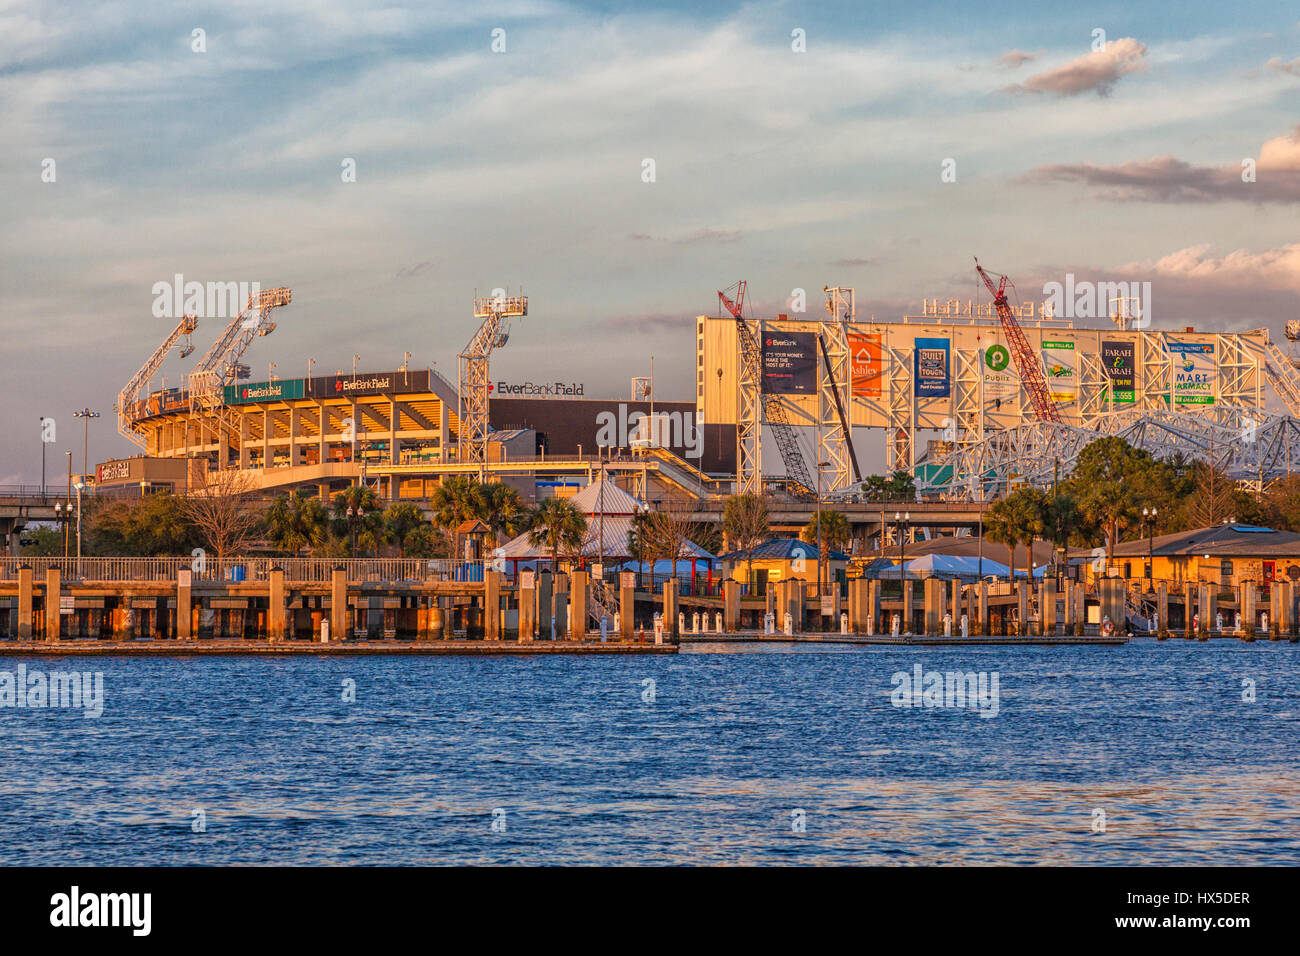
270,372
43,444
900,522
80,484
310,363
86,414
67,510
1149,519
355,360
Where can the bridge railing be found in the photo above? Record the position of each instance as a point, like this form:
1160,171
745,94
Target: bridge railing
49,492
236,570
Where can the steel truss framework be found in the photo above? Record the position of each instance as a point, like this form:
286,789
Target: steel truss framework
1252,446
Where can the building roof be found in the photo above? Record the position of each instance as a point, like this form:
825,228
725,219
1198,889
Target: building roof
1226,540
968,546
783,549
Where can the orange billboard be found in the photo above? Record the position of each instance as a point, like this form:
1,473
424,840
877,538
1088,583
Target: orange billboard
865,365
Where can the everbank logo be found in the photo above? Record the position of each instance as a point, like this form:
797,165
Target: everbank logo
538,389
359,384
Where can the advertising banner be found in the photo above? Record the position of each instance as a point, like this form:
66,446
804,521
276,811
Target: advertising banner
865,365
789,363
1194,372
263,391
1117,357
1061,370
931,367
1001,381
372,383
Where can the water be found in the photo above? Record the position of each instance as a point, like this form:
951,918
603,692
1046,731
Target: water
1155,735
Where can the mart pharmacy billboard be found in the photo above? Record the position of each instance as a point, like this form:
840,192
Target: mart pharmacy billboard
1194,372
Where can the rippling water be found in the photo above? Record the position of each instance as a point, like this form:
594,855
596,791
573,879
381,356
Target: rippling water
587,771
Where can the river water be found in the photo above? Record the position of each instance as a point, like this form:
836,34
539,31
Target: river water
1142,754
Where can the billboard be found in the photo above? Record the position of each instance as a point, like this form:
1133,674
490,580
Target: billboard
930,359
368,383
263,391
865,365
1001,381
1060,369
1194,372
789,363
1117,358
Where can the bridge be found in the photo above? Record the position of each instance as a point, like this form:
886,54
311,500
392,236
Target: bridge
22,504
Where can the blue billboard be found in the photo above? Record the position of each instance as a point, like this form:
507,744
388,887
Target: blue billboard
931,366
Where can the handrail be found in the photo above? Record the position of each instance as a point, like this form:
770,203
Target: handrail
239,569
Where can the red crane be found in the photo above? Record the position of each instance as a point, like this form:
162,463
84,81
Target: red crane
1027,364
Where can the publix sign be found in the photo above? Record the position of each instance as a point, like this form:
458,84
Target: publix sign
538,389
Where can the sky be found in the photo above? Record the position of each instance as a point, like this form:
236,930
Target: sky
1111,156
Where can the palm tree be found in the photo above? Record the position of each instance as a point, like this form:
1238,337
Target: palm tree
456,499
502,510
400,519
1017,519
836,530
296,521
357,513
557,524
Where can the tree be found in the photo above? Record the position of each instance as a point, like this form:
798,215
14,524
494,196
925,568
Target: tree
1014,520
401,518
745,521
836,530
296,521
224,513
41,542
428,541
557,524
638,542
357,514
455,500
1111,481
900,486
1061,518
670,528
501,509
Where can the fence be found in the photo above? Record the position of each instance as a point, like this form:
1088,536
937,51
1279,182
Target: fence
296,570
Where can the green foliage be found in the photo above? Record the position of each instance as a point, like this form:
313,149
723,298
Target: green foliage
297,521
836,531
358,519
1015,520
152,526
900,486
558,526
401,520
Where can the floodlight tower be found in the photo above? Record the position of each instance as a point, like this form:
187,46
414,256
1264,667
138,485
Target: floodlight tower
496,312
128,407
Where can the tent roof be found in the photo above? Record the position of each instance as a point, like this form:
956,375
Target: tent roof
783,549
615,543
602,495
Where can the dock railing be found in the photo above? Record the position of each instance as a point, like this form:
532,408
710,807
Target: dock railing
237,569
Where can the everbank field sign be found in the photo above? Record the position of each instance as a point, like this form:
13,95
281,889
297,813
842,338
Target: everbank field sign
538,389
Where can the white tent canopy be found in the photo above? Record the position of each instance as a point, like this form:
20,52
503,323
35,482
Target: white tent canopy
954,566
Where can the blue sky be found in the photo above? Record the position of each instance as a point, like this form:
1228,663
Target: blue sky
478,169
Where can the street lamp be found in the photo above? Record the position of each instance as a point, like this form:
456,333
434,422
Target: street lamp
1149,519
63,515
901,520
87,415
355,360
80,485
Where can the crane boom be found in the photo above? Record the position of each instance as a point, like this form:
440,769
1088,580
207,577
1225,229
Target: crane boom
1027,364
220,364
496,312
128,410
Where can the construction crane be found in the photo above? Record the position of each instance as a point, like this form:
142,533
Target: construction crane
1027,364
128,400
221,364
496,312
749,424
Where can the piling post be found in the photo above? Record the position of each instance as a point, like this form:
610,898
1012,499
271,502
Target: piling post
1203,608
626,604
906,617
873,606
53,608
338,604
933,592
1162,608
670,606
982,609
1248,601
492,605
527,607
184,612
731,605
578,598
275,615
1022,608
857,605
24,602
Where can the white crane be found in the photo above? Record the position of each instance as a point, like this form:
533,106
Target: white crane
221,364
129,408
496,312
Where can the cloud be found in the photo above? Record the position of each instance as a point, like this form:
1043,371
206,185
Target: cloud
856,261
1096,71
1018,58
1282,66
408,272
1167,179
1241,270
